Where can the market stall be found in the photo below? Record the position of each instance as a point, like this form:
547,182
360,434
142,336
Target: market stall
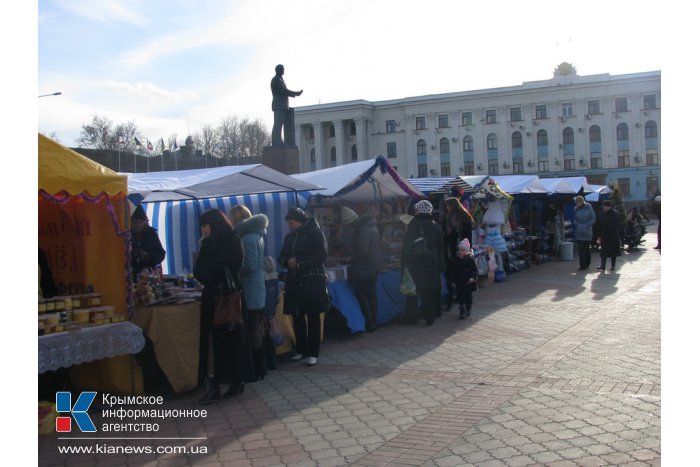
174,200
371,185
83,232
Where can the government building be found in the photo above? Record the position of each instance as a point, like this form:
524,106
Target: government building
604,126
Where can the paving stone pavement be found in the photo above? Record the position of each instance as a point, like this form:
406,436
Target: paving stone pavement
555,367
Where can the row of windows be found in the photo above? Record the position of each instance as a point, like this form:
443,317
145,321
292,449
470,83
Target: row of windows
650,132
567,110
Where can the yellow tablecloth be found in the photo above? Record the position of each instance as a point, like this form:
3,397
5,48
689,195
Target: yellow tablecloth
174,331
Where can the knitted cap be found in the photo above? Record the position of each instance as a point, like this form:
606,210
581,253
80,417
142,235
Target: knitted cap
464,245
139,214
423,206
296,214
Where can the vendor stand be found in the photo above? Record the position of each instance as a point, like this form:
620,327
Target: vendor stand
362,186
83,230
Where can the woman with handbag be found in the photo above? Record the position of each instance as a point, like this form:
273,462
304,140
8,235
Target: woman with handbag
224,346
306,296
252,230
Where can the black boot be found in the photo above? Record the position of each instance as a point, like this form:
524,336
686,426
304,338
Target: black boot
211,392
462,312
234,390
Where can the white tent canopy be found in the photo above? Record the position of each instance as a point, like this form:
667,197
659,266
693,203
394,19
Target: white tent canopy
577,183
558,185
519,184
361,182
213,183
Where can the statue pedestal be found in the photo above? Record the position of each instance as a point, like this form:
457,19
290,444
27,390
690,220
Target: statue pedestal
284,159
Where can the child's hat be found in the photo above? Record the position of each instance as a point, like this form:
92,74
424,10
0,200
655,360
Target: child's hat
464,245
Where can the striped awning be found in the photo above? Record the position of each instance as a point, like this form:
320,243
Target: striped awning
428,185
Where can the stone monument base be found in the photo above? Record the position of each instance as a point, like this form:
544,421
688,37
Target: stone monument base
284,159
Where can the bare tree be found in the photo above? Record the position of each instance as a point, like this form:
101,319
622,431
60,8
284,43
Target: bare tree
229,139
207,140
101,133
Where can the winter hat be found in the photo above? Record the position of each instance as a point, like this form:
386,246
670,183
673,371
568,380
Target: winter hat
464,245
347,215
423,207
139,214
296,214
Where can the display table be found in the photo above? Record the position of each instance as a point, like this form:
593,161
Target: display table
390,302
174,331
65,349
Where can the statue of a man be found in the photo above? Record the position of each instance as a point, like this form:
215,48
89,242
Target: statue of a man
284,115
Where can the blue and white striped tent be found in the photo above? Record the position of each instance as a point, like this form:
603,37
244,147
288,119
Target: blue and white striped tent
174,200
429,185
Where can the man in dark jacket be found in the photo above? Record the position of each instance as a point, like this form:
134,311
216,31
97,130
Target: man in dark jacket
609,236
364,266
303,254
146,250
425,267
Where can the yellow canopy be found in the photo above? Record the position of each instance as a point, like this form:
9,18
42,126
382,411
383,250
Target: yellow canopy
62,169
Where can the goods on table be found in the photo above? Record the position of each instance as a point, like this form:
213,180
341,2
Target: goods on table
70,313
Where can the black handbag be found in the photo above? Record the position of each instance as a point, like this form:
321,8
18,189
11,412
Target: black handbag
313,292
228,304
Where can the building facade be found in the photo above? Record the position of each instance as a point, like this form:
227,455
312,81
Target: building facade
606,127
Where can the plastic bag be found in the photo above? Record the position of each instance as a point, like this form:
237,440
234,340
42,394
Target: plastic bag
407,285
276,332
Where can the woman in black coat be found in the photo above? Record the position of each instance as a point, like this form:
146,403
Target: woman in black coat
224,351
303,254
609,235
425,268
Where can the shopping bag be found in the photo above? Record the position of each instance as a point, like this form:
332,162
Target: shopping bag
275,332
407,286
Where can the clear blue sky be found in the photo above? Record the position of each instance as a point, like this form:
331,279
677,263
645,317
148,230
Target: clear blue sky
172,66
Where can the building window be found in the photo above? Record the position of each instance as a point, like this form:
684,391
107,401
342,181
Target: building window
334,157
650,102
469,168
542,139
491,116
468,143
652,186
445,168
391,149
353,152
312,159
568,135
443,121
624,185
623,158
444,146
391,126
620,104
420,123
492,142
493,166
569,164
516,114
422,170
421,148
623,133
593,107
596,160
594,134
517,140
650,130
567,109
331,131
540,112
353,128
596,179
311,134
543,165
518,166
467,119
652,156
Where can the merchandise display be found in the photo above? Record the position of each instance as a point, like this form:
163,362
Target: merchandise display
71,313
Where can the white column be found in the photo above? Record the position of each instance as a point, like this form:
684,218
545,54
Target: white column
301,144
361,127
339,142
318,144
